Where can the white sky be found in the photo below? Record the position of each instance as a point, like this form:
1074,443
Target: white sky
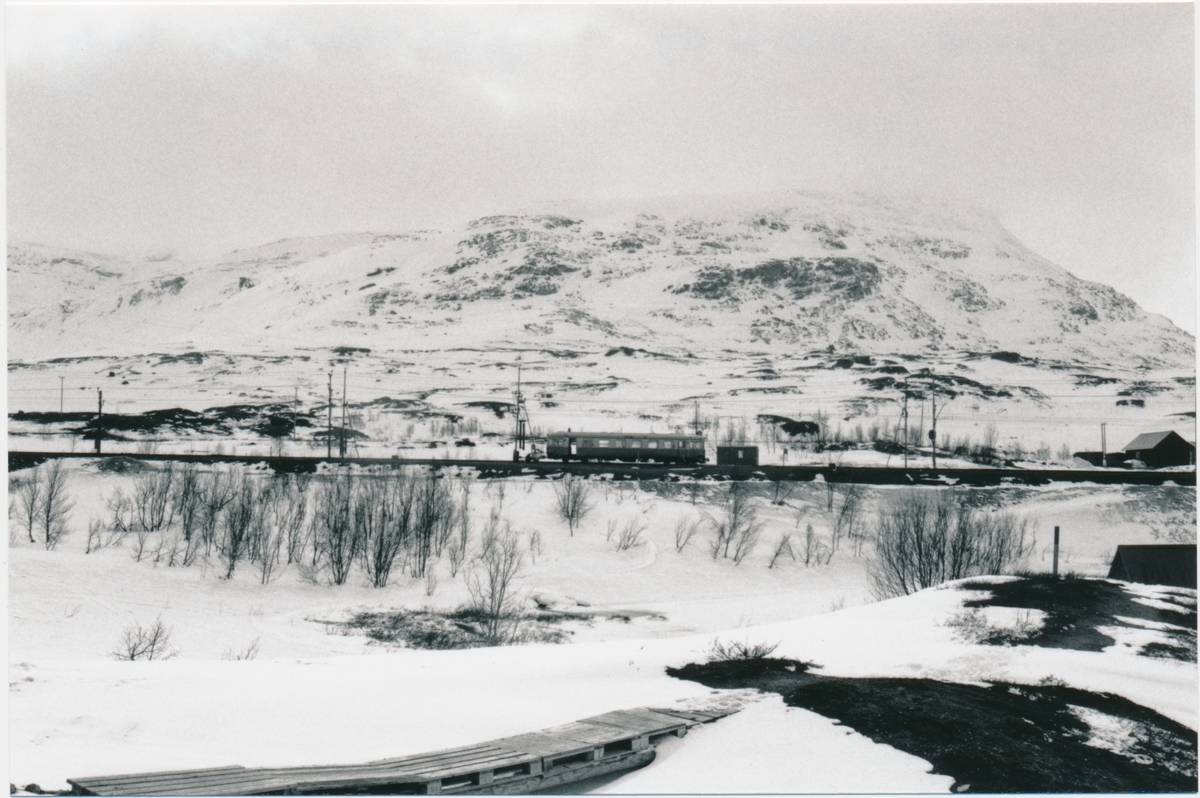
198,129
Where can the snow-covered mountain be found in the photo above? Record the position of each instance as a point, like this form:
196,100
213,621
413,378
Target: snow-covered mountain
792,273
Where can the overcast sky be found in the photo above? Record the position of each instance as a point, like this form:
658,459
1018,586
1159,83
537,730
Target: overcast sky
143,130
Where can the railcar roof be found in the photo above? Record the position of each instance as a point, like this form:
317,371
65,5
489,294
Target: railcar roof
590,434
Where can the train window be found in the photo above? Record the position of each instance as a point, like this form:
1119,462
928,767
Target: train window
602,444
652,444
668,444
635,444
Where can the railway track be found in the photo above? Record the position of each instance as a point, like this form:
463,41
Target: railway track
866,475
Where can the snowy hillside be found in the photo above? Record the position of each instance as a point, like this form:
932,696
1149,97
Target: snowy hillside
782,273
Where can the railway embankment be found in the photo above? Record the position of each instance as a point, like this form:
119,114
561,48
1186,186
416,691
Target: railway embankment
865,475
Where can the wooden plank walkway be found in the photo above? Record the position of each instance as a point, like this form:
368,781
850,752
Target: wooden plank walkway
525,763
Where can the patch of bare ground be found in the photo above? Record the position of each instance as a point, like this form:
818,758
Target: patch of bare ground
997,738
1077,609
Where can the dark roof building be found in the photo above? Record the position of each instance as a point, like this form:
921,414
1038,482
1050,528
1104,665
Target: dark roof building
1173,565
1160,449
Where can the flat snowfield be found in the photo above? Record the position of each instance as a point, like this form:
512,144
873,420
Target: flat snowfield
317,690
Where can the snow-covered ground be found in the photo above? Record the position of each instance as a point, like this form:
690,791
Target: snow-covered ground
317,694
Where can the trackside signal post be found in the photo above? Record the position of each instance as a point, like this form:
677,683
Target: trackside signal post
99,413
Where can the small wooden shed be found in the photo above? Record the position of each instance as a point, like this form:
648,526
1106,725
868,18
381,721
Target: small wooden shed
1168,564
737,455
1161,449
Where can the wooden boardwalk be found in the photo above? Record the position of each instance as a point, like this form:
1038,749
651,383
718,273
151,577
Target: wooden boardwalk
526,763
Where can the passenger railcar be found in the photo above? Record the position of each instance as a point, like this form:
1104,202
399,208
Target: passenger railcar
628,446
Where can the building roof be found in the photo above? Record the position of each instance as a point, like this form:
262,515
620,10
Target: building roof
1171,564
1149,440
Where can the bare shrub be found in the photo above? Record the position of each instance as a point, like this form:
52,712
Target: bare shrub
335,541
573,497
458,544
784,546
719,651
846,521
152,494
247,653
923,539
814,551
150,642
432,520
631,535
737,528
95,538
187,500
216,492
454,558
383,516
242,526
535,545
492,583
686,529
972,626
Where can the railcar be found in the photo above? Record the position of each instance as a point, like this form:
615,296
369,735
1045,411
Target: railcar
627,446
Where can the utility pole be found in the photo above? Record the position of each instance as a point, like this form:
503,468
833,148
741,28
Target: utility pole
329,423
60,395
696,420
1055,572
1104,445
933,430
295,408
905,413
921,426
520,405
342,446
99,413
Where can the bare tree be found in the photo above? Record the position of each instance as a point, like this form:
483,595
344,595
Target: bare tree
95,538
145,642
685,530
56,505
814,550
30,491
152,494
334,533
433,517
460,542
492,583
188,501
383,513
737,528
923,539
784,546
216,494
846,520
745,541
574,501
242,523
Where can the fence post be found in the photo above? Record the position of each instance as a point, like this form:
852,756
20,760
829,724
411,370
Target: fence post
1055,572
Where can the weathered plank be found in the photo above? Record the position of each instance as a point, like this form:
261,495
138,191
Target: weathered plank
522,763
